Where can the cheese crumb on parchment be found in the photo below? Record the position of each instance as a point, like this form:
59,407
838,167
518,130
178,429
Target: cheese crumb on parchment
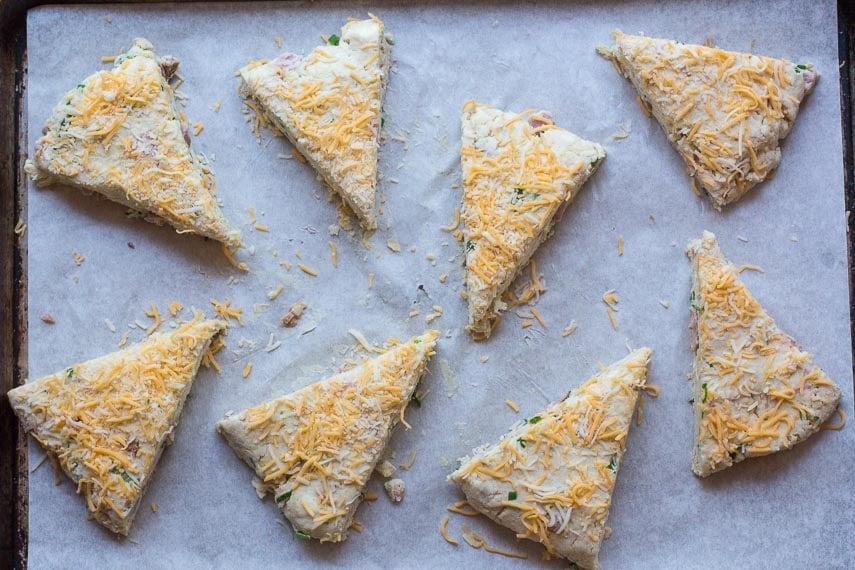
443,530
410,462
477,541
570,329
437,313
175,307
227,312
611,299
307,270
272,295
153,313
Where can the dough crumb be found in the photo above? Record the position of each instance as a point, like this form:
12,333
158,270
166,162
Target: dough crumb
395,489
293,315
386,469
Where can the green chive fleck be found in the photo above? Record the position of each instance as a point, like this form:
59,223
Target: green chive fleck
814,418
512,496
416,340
283,497
470,246
333,41
698,308
801,67
300,533
534,419
123,473
70,372
706,393
521,441
81,85
382,121
613,464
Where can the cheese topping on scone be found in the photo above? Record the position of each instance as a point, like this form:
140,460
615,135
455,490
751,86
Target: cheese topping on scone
755,391
315,449
551,477
328,104
119,133
519,172
107,420
725,112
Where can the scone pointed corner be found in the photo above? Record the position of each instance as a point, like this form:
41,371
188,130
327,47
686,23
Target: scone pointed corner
119,133
551,477
106,421
315,449
755,391
726,113
329,105
520,171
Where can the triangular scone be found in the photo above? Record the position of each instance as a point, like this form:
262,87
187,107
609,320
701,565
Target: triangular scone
315,449
119,133
519,173
106,421
725,112
328,105
551,477
755,391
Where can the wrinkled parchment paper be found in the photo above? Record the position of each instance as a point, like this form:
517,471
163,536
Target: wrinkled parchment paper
794,509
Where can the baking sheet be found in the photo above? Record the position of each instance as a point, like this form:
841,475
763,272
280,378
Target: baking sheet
794,509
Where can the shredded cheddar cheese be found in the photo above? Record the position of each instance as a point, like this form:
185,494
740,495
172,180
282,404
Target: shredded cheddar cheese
107,420
443,530
839,425
274,294
333,253
411,461
725,112
307,270
316,449
755,391
519,172
553,474
175,307
328,104
227,312
119,133
154,313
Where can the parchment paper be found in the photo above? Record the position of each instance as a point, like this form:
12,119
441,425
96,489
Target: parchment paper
790,510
